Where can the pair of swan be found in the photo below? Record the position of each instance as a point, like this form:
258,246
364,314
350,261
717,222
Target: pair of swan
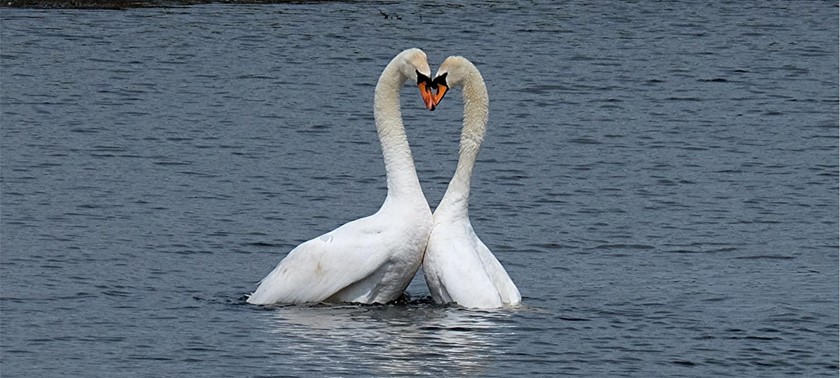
373,259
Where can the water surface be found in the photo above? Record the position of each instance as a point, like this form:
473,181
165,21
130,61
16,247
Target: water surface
660,180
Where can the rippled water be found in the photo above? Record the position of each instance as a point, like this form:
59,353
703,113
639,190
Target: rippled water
660,180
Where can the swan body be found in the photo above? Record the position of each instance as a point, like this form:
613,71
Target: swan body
372,259
458,267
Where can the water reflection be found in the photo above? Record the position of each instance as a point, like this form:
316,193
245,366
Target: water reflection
414,339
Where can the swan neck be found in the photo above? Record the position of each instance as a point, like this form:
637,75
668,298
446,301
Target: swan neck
476,111
399,165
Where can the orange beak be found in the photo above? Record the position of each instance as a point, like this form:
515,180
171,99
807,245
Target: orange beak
426,93
440,91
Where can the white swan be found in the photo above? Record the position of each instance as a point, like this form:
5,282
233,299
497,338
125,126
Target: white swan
458,267
373,259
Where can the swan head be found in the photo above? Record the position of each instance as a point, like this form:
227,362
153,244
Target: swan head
455,71
414,64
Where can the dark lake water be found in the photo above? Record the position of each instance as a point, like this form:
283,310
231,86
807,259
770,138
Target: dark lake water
660,179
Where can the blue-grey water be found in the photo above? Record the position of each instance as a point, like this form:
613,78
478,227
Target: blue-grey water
660,179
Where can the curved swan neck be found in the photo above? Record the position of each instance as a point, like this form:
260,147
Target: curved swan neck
476,111
399,165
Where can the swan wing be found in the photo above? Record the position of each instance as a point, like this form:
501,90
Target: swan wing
508,292
321,267
460,268
457,270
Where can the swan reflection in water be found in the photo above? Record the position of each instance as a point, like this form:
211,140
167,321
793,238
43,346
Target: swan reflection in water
390,339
